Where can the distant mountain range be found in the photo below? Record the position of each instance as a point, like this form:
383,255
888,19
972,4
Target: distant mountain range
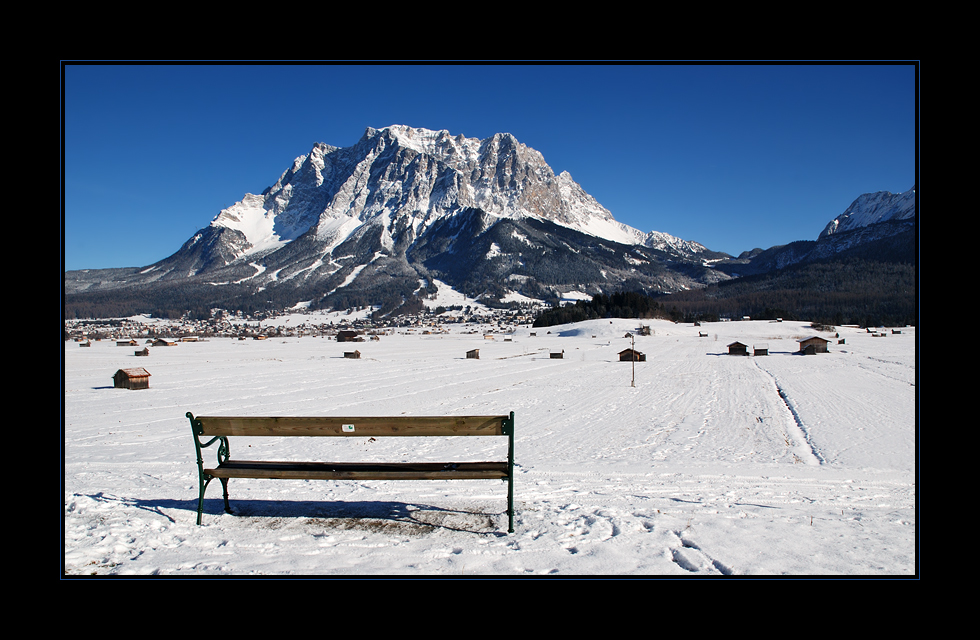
376,223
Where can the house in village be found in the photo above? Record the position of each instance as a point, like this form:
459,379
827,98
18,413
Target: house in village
627,355
137,378
348,336
813,345
473,354
738,349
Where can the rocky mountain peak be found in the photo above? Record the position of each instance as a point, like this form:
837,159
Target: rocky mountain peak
366,223
873,208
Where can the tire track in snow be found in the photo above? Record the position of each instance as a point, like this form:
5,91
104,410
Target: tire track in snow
811,455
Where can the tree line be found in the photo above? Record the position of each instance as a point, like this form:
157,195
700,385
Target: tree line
860,292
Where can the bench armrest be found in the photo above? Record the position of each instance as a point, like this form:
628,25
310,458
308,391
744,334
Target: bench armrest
224,450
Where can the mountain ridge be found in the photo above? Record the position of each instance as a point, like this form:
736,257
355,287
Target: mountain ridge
372,223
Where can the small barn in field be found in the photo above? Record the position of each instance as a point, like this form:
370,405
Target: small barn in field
738,349
627,355
126,342
760,349
144,352
558,355
473,354
813,345
352,355
136,378
164,342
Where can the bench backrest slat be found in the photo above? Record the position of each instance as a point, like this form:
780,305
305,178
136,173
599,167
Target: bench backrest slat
362,426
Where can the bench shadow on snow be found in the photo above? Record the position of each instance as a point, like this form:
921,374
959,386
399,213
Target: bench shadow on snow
398,518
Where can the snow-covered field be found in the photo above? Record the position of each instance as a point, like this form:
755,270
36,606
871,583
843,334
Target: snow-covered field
710,465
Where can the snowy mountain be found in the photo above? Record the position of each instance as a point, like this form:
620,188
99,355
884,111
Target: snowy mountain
876,226
376,221
405,180
873,208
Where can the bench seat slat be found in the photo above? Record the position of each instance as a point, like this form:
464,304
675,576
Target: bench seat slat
352,426
360,470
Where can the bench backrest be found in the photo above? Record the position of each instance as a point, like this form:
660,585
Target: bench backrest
354,426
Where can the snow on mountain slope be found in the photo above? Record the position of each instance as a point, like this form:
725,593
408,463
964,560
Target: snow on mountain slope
254,221
408,178
872,208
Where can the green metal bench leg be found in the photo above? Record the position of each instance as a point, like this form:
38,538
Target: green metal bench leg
510,505
224,485
509,430
200,499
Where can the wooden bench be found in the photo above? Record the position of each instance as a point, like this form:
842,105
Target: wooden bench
218,429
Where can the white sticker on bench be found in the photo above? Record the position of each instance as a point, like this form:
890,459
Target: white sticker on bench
347,428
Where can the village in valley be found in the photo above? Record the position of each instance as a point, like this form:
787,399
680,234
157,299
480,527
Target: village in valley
225,324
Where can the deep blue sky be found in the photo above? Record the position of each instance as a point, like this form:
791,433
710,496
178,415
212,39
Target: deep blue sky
731,156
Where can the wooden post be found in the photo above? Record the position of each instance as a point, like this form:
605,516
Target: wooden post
632,358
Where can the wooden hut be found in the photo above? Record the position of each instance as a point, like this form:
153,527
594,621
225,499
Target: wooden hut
126,342
85,344
164,342
627,355
348,336
558,355
138,378
813,345
352,355
760,349
473,354
738,349
144,352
